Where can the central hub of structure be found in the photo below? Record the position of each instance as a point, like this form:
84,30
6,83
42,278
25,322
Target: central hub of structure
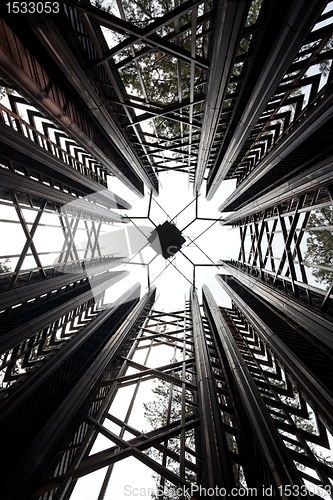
166,239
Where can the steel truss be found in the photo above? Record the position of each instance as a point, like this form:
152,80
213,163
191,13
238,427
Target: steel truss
46,175
244,411
35,77
193,36
59,362
275,56
35,205
273,238
48,181
290,409
286,76
192,444
249,389
54,321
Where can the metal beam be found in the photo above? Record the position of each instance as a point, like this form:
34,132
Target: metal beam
69,410
310,385
96,142
43,159
229,19
145,35
22,294
318,176
23,332
274,54
18,183
279,466
311,122
217,468
312,321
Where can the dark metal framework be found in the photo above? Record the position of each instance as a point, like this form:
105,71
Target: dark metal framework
222,56
173,330
188,38
25,67
286,75
273,241
191,242
58,369
289,399
249,388
242,410
198,441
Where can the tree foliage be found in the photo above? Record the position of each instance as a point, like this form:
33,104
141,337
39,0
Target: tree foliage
159,413
5,91
166,80
4,268
320,245
156,411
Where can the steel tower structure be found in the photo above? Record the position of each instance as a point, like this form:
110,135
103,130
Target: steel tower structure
248,393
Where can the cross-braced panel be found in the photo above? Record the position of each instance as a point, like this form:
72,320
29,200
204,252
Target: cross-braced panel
150,71
40,209
286,90
50,187
175,446
288,246
300,423
168,448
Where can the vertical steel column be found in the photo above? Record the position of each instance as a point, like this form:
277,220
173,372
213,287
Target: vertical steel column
34,78
286,25
25,476
278,464
297,401
217,470
152,329
316,324
308,383
229,21
29,347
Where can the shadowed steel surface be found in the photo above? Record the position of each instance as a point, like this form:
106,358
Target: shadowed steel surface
214,446
216,90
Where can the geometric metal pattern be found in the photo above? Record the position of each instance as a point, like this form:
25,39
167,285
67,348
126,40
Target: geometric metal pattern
300,427
60,104
174,332
290,93
178,438
290,407
61,146
272,246
55,389
216,90
287,397
170,38
208,125
51,330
